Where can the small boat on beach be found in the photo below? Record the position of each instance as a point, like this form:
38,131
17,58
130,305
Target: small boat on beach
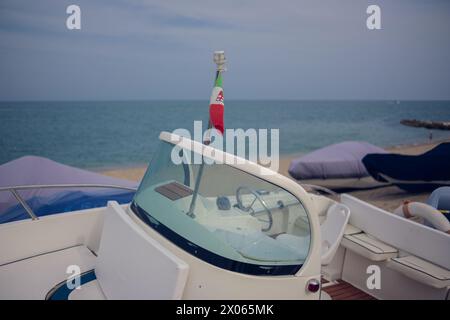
338,166
424,172
217,229
280,243
66,188
440,199
337,161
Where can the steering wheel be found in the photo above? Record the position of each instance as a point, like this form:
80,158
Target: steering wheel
241,206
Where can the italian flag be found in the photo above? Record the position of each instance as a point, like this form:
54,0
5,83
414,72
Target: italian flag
216,106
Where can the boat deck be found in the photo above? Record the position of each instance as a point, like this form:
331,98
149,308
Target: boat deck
341,290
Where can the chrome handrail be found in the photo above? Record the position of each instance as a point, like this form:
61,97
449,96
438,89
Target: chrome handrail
22,202
54,186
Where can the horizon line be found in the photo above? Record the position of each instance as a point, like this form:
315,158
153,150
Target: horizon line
206,99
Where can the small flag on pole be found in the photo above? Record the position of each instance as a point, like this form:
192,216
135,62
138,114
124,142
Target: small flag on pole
216,108
216,105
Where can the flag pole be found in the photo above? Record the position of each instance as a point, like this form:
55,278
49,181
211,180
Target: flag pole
219,60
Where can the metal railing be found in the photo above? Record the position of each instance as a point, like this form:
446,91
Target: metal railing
14,191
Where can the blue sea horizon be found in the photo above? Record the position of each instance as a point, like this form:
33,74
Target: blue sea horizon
101,134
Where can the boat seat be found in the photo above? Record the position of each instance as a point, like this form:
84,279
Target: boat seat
130,265
421,271
34,277
368,247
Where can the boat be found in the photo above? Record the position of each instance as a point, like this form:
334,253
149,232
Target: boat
64,188
424,172
440,199
337,161
337,167
222,230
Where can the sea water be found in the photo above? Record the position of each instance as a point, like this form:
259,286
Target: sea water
95,134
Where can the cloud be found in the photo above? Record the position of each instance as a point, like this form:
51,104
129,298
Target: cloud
284,49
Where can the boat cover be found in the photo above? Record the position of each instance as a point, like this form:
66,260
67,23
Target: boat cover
32,170
413,173
440,199
337,161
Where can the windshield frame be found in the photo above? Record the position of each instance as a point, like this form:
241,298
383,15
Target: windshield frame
212,257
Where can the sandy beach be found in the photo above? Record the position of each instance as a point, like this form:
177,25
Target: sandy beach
389,197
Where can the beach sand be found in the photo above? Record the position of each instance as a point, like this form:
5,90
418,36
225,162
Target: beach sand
388,198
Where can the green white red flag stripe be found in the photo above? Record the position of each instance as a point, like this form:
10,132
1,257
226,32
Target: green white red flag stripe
216,108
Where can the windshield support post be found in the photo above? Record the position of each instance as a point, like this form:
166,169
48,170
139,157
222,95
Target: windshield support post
219,59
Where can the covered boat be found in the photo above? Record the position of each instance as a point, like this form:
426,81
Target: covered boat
77,189
224,230
337,161
440,199
413,173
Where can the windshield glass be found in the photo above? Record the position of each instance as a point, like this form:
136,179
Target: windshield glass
238,221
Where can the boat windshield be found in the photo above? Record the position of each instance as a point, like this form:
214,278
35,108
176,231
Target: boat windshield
238,221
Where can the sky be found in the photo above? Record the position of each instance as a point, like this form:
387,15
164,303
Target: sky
293,49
